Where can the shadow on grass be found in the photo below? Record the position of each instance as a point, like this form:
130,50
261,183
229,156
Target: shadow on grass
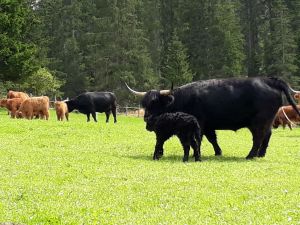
178,158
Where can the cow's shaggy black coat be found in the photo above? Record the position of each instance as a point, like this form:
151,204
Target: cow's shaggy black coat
183,125
92,102
225,104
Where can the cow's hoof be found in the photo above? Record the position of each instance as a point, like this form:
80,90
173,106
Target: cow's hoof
197,159
185,159
155,157
159,156
249,157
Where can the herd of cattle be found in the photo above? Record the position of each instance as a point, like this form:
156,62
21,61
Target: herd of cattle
189,111
20,105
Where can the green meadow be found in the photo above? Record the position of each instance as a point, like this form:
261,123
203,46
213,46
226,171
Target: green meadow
96,173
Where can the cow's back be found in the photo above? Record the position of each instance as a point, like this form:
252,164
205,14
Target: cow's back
101,101
227,104
17,94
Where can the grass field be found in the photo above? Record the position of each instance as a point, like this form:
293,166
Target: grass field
96,173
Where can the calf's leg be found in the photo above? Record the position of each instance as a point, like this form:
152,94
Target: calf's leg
196,148
159,151
185,142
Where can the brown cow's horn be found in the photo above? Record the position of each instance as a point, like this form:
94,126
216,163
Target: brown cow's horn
135,92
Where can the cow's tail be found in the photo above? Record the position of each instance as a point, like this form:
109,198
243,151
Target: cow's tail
198,134
285,88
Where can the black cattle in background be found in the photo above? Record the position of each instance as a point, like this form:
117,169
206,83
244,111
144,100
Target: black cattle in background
183,125
225,104
92,102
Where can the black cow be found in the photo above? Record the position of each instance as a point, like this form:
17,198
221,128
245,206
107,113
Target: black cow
183,125
92,102
225,104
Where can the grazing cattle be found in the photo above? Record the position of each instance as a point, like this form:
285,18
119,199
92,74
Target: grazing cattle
35,106
3,102
225,104
61,110
13,105
286,115
17,94
92,102
183,125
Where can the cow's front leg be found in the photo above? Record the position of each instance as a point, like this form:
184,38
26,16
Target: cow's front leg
88,117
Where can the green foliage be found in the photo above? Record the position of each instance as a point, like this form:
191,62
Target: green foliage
97,45
175,66
96,173
280,53
213,38
17,49
43,82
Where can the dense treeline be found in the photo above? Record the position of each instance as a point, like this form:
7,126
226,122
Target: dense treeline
96,45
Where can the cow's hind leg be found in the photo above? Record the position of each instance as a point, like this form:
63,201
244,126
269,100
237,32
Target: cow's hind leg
212,138
88,117
258,135
114,112
261,133
107,116
265,143
94,116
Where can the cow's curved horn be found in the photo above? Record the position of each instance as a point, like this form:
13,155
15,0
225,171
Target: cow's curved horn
294,91
167,92
135,92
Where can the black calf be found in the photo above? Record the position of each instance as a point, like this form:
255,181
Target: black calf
183,125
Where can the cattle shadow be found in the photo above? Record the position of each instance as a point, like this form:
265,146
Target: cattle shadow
178,158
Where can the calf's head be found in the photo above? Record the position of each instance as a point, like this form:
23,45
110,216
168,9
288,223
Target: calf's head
71,105
155,102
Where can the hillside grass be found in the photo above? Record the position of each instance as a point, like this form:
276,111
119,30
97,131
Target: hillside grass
96,173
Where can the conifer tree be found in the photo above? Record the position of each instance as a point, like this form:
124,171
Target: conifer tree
280,46
176,67
17,48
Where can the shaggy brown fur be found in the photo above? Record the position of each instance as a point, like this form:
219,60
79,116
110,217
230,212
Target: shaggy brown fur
35,106
13,105
61,110
17,94
281,119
